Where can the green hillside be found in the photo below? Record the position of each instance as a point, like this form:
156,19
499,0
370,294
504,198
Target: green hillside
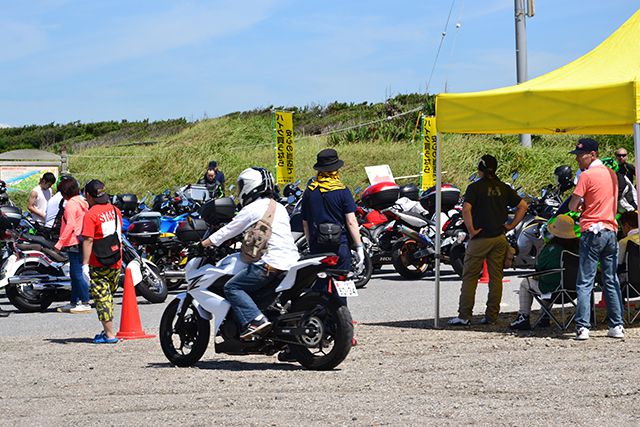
240,140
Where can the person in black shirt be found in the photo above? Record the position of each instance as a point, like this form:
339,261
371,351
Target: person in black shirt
485,212
214,179
623,167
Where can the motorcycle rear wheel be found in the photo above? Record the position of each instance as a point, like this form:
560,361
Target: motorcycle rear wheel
326,350
23,297
403,261
184,344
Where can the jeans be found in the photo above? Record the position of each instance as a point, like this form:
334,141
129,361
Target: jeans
239,289
601,247
79,288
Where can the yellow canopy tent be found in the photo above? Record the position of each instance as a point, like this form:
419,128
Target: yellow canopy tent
595,94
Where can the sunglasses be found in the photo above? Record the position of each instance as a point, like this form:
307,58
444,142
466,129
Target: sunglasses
621,155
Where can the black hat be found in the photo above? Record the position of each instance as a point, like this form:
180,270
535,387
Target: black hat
488,163
212,165
97,191
585,145
328,161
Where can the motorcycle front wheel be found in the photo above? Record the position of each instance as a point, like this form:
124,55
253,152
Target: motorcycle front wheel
153,288
405,263
329,333
184,338
362,276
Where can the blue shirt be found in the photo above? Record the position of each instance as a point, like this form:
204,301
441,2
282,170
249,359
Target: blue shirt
336,205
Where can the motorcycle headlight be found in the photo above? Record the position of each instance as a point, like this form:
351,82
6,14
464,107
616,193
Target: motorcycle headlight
462,236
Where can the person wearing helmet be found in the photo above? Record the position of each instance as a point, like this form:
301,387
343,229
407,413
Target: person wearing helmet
328,201
627,195
255,191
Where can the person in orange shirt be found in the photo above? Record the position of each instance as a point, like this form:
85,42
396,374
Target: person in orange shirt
596,197
69,242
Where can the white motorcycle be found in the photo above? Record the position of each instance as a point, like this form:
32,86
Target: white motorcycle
313,325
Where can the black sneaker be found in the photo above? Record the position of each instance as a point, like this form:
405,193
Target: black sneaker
521,323
255,327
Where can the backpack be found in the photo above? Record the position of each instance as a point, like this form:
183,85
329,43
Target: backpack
256,238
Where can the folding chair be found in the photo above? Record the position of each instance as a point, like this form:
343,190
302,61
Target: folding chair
631,287
564,294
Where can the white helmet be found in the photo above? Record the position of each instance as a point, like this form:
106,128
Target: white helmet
253,183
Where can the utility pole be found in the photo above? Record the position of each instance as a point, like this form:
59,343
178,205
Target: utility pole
521,50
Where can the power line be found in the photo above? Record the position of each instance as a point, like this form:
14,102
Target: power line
443,35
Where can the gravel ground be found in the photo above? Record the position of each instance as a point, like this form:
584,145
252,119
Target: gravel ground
401,373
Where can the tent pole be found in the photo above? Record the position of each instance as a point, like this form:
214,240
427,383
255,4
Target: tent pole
636,154
436,319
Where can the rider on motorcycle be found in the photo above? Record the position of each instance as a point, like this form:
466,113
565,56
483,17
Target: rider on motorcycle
256,187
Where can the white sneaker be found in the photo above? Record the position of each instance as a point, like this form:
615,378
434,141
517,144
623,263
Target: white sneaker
582,334
616,332
80,309
456,321
66,308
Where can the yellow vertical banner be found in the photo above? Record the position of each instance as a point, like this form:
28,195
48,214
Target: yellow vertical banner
429,137
283,139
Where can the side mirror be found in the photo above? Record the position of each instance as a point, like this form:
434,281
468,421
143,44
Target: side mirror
232,187
515,176
357,191
296,183
473,177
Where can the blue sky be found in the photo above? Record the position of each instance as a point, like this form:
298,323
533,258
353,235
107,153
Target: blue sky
67,60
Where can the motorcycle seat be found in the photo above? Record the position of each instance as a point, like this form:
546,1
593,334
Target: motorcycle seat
41,241
54,255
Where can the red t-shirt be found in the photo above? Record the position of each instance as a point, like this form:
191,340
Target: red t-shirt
598,186
100,221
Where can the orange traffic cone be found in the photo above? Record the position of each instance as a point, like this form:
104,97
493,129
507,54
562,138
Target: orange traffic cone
485,275
130,326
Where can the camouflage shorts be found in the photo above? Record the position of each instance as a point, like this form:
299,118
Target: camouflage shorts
104,283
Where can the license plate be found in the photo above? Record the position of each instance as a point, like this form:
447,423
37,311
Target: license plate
346,288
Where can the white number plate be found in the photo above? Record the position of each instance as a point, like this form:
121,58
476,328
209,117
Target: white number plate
346,288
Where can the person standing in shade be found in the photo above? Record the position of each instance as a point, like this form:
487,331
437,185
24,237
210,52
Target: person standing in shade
69,241
39,197
328,200
213,179
623,167
485,212
596,197
101,222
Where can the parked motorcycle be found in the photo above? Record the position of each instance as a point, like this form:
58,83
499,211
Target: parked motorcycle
35,275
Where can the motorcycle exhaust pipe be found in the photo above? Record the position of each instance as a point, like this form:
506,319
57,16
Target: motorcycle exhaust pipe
41,282
419,237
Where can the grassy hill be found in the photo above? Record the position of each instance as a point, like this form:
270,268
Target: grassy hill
243,139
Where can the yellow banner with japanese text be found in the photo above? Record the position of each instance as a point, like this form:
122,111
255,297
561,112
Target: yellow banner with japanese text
283,139
429,137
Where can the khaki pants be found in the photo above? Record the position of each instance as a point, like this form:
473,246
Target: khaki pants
493,249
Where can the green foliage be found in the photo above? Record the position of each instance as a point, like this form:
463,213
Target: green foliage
55,136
